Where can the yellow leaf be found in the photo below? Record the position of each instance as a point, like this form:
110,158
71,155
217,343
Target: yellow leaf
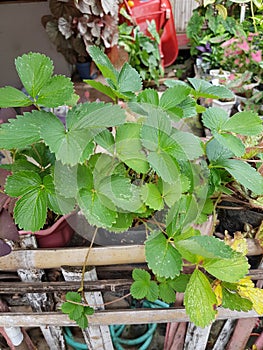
222,11
217,288
259,234
246,282
246,289
238,243
208,2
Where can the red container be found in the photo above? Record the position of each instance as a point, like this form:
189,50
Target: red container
56,236
161,12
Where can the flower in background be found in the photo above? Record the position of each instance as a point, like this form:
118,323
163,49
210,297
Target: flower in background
205,48
243,54
256,56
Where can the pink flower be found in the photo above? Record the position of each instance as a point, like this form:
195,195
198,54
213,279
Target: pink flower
247,60
244,46
229,42
237,61
256,56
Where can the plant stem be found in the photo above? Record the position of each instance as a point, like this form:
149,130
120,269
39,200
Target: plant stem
81,288
104,304
253,16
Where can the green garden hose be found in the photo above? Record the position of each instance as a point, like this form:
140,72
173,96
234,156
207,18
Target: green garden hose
116,331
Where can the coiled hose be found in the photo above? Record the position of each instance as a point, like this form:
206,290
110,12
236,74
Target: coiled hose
116,331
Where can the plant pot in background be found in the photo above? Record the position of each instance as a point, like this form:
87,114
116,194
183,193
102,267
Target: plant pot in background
56,236
83,69
134,235
219,73
226,105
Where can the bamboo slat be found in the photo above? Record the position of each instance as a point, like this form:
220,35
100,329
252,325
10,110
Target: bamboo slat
53,258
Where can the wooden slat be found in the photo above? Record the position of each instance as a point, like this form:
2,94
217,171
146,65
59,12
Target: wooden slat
50,287
53,258
109,317
196,337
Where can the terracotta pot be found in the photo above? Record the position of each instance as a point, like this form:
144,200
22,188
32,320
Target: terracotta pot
56,236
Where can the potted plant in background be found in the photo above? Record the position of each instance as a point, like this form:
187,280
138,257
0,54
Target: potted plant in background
126,163
210,25
74,26
143,50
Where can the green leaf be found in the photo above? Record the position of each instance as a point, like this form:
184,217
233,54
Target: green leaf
129,134
26,128
171,193
96,116
129,79
216,151
106,140
104,64
34,70
88,310
180,283
143,287
76,313
140,290
187,146
174,96
65,180
186,109
152,196
22,182
73,296
157,122
57,92
83,125
121,192
31,210
141,275
11,97
123,223
229,270
148,96
233,301
94,210
233,143
205,89
166,293
162,258
199,247
106,90
181,215
61,205
67,307
244,174
214,118
164,165
82,322
200,300
244,123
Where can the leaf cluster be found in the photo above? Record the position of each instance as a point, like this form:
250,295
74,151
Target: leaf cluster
143,50
75,310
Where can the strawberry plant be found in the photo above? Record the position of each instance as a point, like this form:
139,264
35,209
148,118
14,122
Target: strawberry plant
128,162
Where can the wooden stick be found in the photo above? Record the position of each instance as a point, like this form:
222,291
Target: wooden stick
53,258
51,287
110,317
